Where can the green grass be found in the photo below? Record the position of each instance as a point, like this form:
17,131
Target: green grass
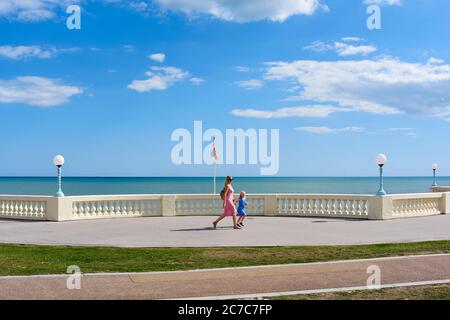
431,292
29,260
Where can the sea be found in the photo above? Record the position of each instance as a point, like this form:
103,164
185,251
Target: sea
73,186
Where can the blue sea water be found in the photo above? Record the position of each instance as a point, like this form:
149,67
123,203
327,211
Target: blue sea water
92,186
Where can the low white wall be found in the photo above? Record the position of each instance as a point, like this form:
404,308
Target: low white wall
440,189
293,205
26,207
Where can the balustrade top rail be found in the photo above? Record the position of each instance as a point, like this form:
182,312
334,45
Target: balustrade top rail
193,195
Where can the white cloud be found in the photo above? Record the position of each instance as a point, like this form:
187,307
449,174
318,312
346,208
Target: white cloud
251,84
20,52
196,80
318,46
327,130
36,91
435,61
244,11
228,10
139,6
342,48
382,86
242,69
159,57
410,132
23,52
32,10
400,129
312,111
352,39
159,78
384,2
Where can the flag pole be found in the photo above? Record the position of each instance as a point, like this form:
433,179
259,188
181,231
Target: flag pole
215,163
215,171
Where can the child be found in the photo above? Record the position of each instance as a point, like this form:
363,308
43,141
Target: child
241,212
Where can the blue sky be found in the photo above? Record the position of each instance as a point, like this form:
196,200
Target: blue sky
339,92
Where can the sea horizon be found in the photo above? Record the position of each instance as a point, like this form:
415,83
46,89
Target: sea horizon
218,177
75,185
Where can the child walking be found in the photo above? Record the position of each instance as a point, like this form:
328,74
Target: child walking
241,212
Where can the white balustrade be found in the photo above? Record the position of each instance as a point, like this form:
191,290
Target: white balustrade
23,207
197,205
296,205
204,204
96,207
255,205
416,205
347,206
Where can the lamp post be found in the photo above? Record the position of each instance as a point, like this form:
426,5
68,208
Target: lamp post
381,161
435,167
58,161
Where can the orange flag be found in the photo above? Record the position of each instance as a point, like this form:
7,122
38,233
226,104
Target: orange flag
215,157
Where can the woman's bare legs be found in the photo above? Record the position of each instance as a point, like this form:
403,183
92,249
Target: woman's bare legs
218,220
235,226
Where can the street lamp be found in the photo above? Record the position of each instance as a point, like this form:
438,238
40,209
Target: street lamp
435,167
381,161
58,161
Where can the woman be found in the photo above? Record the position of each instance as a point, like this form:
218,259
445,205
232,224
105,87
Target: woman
228,203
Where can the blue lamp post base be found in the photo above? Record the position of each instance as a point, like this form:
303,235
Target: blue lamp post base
381,191
434,179
59,193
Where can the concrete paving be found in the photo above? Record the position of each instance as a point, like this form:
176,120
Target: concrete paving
229,282
198,232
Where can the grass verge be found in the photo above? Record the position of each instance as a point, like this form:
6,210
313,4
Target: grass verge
32,260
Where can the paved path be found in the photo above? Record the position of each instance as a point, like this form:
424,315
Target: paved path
197,232
226,282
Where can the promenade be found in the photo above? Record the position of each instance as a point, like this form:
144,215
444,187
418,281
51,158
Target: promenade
198,232
247,282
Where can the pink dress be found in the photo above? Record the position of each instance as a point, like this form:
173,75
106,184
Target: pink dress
230,209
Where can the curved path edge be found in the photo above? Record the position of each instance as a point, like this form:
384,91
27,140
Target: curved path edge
244,282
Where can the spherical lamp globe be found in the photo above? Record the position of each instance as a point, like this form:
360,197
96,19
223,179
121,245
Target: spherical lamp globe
58,160
381,159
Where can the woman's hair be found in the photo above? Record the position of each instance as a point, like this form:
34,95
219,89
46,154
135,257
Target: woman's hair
228,181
